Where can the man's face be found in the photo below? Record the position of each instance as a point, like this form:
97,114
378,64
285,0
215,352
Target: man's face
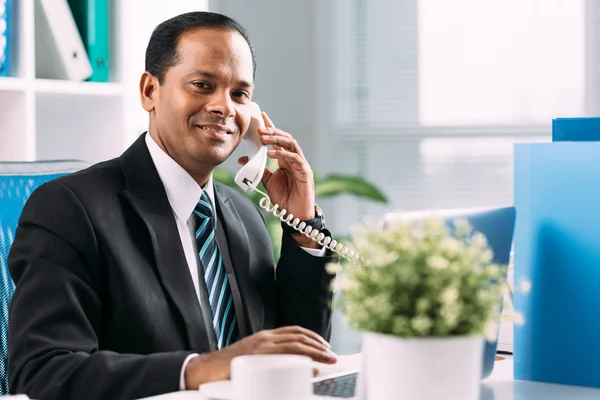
203,106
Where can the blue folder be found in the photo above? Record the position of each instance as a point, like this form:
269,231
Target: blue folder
557,248
584,129
92,18
6,27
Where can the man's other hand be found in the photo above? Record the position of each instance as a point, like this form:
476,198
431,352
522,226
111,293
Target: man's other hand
216,366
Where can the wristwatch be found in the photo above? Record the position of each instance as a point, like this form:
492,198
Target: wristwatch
318,222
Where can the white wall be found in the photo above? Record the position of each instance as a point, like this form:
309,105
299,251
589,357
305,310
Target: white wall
291,50
283,33
137,20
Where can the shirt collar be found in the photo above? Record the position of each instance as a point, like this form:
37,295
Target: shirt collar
182,190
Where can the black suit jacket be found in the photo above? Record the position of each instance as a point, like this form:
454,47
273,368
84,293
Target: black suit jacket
105,307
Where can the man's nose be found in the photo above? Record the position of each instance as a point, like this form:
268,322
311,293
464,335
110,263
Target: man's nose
221,104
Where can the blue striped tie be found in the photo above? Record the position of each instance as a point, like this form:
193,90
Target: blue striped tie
215,276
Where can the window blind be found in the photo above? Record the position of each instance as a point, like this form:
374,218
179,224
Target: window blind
429,96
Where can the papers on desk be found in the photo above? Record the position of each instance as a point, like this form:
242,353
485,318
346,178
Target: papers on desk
346,365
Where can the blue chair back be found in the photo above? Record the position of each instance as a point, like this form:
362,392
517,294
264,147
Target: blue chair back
17,181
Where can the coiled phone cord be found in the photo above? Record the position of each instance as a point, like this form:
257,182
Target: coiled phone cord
307,230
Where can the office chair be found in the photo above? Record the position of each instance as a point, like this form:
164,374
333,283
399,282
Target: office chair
17,181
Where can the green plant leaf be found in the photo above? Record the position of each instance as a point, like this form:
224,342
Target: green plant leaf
275,231
224,176
422,279
329,186
335,185
272,164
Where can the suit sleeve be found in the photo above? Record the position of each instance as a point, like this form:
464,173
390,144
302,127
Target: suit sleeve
56,313
304,288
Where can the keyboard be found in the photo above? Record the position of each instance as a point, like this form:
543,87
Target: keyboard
341,386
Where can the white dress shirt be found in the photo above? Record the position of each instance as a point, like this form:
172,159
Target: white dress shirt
183,193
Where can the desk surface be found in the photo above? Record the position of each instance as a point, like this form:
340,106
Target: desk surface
502,386
499,386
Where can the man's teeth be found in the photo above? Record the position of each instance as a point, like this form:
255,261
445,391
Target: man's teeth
212,129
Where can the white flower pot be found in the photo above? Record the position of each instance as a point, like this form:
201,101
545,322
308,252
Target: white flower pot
420,368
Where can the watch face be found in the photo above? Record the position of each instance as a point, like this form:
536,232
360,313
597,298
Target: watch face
319,214
318,211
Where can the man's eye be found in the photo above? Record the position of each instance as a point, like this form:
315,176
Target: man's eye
202,85
242,95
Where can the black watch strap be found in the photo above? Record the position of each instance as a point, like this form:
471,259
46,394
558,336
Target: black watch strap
318,222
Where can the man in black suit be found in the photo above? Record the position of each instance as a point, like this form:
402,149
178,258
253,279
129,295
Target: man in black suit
139,275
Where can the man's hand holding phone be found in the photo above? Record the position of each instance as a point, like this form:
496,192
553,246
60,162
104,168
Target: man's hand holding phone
292,185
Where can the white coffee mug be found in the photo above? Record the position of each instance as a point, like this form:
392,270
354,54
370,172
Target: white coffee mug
271,377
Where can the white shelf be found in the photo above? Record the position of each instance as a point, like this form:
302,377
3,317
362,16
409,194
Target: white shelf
42,119
56,86
9,84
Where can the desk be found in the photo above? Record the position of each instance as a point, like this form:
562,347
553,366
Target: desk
499,386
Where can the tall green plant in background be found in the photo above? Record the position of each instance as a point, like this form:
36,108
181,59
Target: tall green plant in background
327,187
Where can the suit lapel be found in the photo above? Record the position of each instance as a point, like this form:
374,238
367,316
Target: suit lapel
239,253
148,198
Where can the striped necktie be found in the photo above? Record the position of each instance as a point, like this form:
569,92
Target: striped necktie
217,283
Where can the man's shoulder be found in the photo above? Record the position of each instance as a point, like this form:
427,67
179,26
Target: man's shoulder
99,176
93,182
62,205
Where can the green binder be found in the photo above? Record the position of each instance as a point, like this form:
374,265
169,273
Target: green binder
92,20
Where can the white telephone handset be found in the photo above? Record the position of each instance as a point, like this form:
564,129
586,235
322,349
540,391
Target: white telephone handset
249,176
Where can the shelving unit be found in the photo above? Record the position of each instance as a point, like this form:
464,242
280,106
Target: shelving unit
10,84
42,119
78,88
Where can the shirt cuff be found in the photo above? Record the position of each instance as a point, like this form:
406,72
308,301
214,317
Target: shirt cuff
315,252
182,375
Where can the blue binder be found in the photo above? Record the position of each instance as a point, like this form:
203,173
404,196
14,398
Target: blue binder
557,247
92,19
584,129
5,36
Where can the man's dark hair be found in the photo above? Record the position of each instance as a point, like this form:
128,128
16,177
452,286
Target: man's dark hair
161,53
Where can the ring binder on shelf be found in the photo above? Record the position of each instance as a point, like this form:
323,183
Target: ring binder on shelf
59,50
5,37
92,20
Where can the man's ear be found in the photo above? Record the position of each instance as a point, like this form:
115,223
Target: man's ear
149,88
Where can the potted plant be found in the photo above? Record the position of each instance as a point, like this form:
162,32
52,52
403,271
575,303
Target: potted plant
425,298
